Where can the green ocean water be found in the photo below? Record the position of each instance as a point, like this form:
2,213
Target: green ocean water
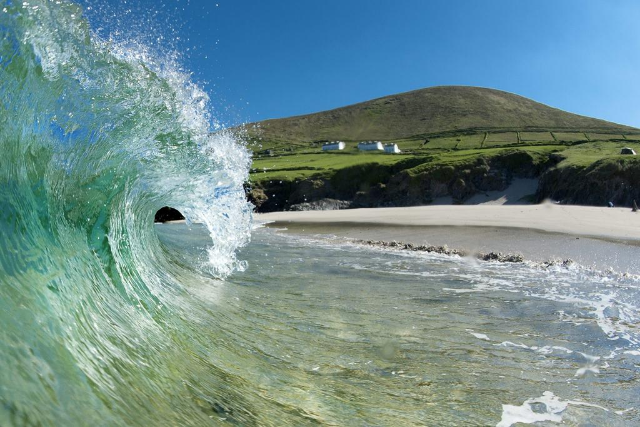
109,320
96,136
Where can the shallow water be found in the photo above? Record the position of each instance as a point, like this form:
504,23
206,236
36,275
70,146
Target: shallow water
595,253
346,335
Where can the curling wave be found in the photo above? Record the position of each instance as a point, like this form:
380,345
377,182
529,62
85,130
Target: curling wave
94,139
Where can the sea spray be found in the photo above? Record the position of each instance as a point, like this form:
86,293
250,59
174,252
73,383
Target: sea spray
94,138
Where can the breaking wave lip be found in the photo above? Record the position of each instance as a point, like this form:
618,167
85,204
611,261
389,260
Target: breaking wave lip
95,137
108,134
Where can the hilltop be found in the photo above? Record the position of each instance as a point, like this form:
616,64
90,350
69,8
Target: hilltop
428,112
455,141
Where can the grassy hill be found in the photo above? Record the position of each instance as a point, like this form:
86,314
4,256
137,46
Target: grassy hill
429,112
455,141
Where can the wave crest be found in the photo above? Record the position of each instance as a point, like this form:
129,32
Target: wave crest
95,137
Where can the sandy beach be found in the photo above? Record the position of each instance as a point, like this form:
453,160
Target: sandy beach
609,223
597,237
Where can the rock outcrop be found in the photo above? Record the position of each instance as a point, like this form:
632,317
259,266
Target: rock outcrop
321,205
597,184
416,182
405,184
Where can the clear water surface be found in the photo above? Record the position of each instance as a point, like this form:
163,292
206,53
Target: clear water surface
316,333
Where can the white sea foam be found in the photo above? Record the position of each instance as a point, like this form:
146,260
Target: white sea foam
547,407
583,371
511,344
479,336
611,299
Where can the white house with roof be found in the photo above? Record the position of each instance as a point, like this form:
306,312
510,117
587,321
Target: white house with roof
335,145
370,146
391,148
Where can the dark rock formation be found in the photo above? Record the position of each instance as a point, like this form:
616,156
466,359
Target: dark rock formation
256,196
443,250
416,182
597,184
309,190
402,184
500,257
321,205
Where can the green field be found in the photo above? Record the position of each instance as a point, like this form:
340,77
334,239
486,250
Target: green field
536,137
589,153
459,142
570,136
304,164
443,143
316,164
604,136
498,139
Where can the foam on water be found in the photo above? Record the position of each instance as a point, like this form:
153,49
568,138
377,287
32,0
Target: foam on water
520,329
607,296
547,407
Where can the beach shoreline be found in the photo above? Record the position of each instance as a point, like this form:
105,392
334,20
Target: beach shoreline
600,238
588,221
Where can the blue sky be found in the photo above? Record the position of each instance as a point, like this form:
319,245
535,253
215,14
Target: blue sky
267,59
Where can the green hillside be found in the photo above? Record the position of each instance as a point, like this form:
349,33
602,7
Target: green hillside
428,112
455,141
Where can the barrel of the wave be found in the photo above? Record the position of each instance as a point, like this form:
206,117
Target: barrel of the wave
95,138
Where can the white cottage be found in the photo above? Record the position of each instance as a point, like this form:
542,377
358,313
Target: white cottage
370,146
391,148
335,145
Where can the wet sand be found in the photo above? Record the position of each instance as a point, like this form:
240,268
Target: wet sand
609,223
601,238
